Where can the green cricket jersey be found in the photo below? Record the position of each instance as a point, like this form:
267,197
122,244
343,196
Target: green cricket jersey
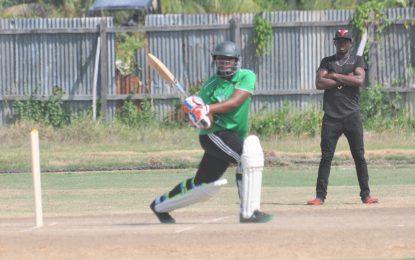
216,90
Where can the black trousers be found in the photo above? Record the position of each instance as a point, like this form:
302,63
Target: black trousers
221,149
331,131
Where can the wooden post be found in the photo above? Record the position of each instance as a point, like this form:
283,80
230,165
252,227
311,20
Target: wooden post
412,50
94,85
104,69
236,31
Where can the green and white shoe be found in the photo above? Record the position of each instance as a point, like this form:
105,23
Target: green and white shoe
163,217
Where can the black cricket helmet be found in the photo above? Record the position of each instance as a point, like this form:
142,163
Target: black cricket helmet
226,67
227,49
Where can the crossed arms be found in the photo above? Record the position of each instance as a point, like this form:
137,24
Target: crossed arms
326,80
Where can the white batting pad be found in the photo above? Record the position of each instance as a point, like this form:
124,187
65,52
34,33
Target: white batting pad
197,194
252,160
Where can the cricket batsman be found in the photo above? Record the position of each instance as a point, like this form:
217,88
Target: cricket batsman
221,112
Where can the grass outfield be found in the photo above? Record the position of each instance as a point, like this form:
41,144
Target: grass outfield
80,194
115,149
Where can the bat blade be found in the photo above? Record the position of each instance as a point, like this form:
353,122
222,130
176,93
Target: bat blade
164,72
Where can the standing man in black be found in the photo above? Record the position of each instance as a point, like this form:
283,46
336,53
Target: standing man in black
341,76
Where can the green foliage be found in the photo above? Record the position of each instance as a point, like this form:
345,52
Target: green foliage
8,3
132,116
195,88
344,4
53,8
315,4
406,79
78,8
287,121
263,34
270,5
176,118
377,103
50,112
180,6
208,6
68,8
127,45
232,6
371,12
56,115
381,110
326,4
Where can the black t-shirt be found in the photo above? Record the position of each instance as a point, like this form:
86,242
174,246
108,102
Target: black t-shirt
342,101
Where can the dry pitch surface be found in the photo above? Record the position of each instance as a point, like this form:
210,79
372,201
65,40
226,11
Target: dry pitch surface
350,231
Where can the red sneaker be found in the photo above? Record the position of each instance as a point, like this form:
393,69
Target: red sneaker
315,201
370,200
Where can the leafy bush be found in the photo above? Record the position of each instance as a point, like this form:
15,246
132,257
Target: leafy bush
381,110
177,118
263,34
50,112
376,103
287,121
127,45
132,116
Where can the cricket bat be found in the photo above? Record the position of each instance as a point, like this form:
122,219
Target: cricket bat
164,72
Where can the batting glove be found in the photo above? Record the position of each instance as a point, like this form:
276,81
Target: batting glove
191,102
200,114
203,123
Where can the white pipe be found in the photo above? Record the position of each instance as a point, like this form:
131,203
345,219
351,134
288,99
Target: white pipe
94,86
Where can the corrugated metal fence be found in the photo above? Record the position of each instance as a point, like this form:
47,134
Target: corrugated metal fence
37,54
287,73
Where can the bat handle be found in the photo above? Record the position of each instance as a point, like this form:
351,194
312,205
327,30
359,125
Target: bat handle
179,87
205,122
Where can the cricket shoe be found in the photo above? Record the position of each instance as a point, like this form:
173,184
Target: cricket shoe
257,217
370,200
316,201
164,217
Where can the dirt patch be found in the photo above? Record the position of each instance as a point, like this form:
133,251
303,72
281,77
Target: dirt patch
364,232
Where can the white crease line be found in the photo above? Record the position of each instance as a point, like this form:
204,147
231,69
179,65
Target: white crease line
33,228
185,229
89,230
6,225
104,228
206,222
218,219
29,229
